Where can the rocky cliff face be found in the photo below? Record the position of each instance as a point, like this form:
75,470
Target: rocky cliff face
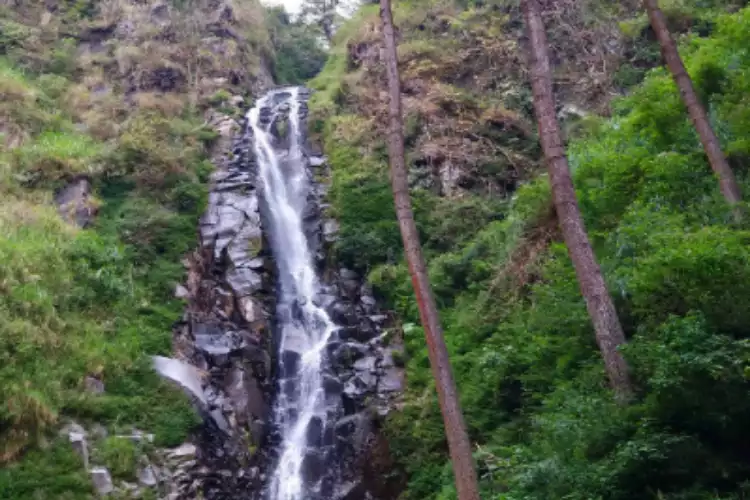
228,334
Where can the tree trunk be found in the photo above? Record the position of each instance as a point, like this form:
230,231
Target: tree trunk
458,439
727,181
609,334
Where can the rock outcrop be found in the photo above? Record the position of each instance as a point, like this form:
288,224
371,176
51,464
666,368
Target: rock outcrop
75,203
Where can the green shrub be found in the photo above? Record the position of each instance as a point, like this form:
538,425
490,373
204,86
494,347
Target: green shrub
119,455
55,472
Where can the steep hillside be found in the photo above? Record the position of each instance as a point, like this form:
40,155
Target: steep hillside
108,115
534,394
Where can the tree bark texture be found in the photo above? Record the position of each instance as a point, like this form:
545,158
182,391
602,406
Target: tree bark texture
609,334
458,439
727,182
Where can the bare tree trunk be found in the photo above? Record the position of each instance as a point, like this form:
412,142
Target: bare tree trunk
727,181
609,334
458,439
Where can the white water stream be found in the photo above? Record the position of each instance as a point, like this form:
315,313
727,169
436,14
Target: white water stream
304,328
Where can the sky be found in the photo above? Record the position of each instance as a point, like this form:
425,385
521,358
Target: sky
292,6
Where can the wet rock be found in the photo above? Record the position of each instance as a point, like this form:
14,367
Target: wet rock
217,416
366,364
258,359
326,299
356,389
379,319
366,382
244,281
160,12
347,426
183,451
74,202
221,224
343,314
147,476
225,181
289,363
313,466
330,230
77,438
243,249
251,311
257,264
353,490
295,339
218,351
368,303
200,329
245,396
350,288
102,481
346,354
181,292
390,381
93,385
317,161
363,332
315,432
332,388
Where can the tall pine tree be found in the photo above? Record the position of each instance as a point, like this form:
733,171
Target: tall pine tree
727,182
608,331
458,439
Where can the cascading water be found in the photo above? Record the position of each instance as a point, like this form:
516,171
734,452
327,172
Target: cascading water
304,328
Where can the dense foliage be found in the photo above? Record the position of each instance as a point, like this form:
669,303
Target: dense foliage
533,389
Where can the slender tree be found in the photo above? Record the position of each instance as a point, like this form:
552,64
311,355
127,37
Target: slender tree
719,164
458,439
609,334
321,13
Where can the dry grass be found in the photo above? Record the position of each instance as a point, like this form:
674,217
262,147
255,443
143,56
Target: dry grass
456,69
520,271
167,104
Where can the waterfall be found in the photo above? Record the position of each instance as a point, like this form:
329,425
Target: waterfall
304,328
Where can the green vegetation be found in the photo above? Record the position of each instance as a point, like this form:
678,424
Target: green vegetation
53,472
530,376
93,302
119,455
